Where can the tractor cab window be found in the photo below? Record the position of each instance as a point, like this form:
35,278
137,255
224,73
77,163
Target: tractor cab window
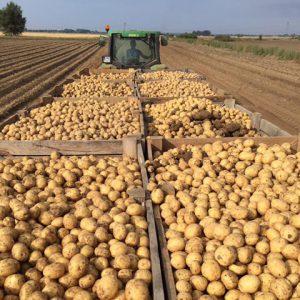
133,51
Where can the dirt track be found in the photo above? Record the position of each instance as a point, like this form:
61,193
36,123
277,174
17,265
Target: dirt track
267,85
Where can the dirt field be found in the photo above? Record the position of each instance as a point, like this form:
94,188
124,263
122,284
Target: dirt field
28,67
267,85
58,35
286,44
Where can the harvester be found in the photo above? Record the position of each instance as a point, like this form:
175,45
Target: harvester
133,49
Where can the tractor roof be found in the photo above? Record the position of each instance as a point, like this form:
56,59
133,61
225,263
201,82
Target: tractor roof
133,33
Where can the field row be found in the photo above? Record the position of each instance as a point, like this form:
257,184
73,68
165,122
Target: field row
28,68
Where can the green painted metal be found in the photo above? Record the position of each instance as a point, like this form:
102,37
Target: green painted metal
158,67
133,33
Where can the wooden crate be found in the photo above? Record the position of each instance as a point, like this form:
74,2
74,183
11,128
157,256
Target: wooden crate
264,127
58,89
160,144
220,93
47,100
95,71
128,147
141,72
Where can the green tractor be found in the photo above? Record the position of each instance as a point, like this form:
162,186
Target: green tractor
133,49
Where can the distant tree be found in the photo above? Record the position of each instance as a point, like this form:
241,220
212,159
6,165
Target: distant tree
80,30
224,38
12,21
187,35
202,33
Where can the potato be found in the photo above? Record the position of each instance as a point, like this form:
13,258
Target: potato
125,275
54,271
27,289
132,239
78,266
107,287
225,255
38,295
192,230
9,266
157,196
53,289
265,296
282,289
183,286
122,262
13,283
120,231
20,252
277,267
136,289
229,279
216,288
176,244
68,281
144,275
83,295
6,243
178,261
71,292
117,249
211,270
249,284
199,282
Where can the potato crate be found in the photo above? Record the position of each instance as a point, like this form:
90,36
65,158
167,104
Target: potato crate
93,71
264,127
159,144
140,73
48,100
220,94
58,89
128,147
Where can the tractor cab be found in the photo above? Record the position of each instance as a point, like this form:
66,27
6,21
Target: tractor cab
134,49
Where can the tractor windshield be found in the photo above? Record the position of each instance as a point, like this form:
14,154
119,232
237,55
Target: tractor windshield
129,51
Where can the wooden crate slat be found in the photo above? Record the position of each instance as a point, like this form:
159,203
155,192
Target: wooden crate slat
40,148
157,281
162,144
168,277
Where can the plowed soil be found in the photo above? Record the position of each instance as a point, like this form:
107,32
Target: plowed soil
263,84
28,68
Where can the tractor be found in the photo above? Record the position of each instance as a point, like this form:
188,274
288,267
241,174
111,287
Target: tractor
133,49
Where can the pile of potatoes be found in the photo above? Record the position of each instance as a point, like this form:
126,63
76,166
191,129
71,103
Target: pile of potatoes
195,117
175,88
116,76
170,75
93,85
69,229
86,119
232,218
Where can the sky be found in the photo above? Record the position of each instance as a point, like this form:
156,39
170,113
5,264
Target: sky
219,16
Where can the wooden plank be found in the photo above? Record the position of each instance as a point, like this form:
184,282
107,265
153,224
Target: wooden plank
41,148
256,120
271,129
166,144
168,277
243,109
230,103
130,147
157,281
